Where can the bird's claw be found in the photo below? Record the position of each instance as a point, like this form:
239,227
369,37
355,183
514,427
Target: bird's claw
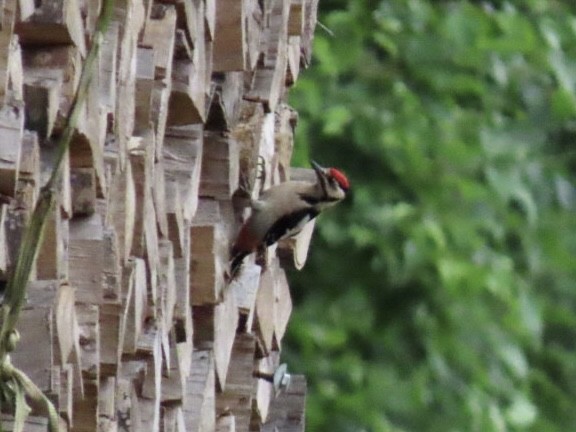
261,172
261,258
261,168
244,185
242,196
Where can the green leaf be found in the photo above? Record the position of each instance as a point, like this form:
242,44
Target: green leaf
336,119
522,412
446,278
563,104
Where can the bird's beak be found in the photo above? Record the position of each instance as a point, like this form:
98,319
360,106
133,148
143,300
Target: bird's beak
320,171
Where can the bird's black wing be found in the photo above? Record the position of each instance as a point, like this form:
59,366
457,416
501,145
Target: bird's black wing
289,225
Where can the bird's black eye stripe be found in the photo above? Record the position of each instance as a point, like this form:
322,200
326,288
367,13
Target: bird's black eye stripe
323,186
310,199
313,201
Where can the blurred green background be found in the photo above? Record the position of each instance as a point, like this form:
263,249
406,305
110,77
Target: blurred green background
441,295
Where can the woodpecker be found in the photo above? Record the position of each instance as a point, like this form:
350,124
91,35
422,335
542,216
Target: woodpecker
282,211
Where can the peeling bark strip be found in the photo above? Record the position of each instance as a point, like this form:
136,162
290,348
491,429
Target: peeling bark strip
129,323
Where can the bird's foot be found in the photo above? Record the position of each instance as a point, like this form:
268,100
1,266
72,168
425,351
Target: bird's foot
242,197
261,168
261,172
244,185
261,258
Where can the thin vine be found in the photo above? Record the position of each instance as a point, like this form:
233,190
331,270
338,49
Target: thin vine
14,384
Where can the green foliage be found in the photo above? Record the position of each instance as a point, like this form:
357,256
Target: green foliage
440,296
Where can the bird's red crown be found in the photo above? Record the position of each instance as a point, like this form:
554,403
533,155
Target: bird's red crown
340,177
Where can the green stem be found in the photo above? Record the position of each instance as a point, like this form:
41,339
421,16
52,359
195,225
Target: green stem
16,289
15,295
82,92
31,390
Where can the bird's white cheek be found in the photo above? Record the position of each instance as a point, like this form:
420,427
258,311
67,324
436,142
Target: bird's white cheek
324,205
